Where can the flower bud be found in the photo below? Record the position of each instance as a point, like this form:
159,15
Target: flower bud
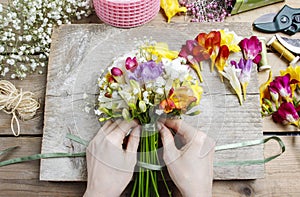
116,72
126,114
114,86
142,106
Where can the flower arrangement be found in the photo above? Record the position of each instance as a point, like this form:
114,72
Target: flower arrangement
153,81
280,97
26,27
146,84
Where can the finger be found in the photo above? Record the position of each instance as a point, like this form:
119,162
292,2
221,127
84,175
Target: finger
110,127
134,139
124,127
107,124
181,128
170,150
118,134
106,129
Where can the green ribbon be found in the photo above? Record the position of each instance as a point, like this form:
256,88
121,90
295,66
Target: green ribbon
147,165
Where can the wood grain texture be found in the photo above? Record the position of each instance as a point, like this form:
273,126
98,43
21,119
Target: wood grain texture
281,175
79,51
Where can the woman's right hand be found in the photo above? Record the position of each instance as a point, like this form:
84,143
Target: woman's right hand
190,167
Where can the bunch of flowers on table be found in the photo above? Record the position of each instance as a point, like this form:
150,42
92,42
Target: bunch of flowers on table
146,84
279,97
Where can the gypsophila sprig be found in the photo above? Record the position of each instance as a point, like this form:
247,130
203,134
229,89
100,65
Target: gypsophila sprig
25,32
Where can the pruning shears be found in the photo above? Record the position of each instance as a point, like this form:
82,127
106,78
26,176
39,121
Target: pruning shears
287,20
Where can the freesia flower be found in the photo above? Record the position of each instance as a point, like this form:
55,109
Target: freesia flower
222,58
171,8
211,42
190,51
183,97
230,74
294,72
264,89
161,50
286,114
231,40
167,105
147,71
116,72
131,63
251,48
280,86
244,68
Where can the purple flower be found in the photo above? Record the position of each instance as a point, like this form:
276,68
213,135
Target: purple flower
244,67
147,71
281,86
286,114
251,48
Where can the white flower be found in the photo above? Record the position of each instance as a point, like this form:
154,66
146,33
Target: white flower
2,49
231,74
1,8
28,38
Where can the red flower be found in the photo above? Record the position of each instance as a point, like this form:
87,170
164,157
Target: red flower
131,63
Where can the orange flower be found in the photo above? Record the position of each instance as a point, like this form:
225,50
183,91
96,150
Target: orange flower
183,97
211,42
167,105
222,58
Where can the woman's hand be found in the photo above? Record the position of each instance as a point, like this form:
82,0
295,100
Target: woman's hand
191,167
110,167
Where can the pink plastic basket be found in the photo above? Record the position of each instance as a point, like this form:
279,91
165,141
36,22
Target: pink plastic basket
126,13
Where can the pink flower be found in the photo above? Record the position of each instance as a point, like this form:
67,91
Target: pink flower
251,48
280,86
286,114
116,72
131,63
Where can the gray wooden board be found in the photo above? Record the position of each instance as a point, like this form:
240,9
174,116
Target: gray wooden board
79,52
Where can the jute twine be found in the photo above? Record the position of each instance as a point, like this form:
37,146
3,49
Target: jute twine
20,104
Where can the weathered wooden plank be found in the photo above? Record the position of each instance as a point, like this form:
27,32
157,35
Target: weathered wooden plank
281,175
79,51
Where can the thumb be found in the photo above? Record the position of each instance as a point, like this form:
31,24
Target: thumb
171,153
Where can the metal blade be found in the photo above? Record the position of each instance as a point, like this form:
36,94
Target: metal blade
292,45
265,23
267,18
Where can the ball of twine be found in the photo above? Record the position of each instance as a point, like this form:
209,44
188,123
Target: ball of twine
20,104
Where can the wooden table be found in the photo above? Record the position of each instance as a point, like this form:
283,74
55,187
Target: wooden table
281,175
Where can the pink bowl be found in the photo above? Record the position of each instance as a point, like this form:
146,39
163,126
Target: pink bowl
126,13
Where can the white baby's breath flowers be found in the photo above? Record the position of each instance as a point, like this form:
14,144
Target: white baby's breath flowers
25,32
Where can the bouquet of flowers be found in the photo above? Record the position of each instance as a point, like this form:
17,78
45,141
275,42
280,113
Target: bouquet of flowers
146,84
280,97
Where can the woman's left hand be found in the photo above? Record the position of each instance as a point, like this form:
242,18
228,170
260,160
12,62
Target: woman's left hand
110,167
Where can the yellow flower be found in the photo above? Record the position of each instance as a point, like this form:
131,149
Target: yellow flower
231,40
171,8
161,50
195,87
264,90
